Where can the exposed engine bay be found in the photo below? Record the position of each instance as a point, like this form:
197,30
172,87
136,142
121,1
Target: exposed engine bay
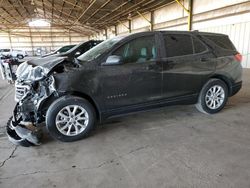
35,84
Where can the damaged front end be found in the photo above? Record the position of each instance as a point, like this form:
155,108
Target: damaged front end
34,85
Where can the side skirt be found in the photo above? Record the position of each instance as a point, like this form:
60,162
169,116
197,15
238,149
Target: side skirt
123,111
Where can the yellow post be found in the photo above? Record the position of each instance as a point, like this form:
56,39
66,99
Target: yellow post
190,16
189,11
150,22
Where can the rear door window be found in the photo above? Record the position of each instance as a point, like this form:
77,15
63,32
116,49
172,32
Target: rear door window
178,45
181,44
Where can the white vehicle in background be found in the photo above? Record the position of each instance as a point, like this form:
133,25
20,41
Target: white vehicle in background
20,54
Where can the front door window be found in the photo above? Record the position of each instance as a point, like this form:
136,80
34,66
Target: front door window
139,50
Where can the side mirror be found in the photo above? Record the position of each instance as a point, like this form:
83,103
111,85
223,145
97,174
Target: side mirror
113,60
77,54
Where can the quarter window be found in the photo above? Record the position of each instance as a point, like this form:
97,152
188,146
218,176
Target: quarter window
138,50
222,41
198,46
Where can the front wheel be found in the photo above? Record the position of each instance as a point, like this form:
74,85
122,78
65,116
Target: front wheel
213,97
70,118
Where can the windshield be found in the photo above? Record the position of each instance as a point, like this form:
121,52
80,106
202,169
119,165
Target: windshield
99,49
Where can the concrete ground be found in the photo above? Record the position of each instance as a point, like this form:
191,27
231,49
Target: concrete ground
174,147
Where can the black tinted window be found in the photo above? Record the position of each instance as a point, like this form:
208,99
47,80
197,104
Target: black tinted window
65,49
198,46
84,48
178,45
221,41
138,50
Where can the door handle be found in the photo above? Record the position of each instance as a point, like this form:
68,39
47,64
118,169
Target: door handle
153,67
169,64
169,61
150,67
204,59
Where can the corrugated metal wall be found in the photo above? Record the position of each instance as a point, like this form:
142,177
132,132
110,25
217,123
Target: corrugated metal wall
240,35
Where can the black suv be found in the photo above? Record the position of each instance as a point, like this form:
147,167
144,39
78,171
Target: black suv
123,75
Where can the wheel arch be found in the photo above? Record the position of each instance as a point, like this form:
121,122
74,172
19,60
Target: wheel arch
226,80
89,99
46,103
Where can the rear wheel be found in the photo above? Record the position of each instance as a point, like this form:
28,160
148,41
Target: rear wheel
70,118
213,97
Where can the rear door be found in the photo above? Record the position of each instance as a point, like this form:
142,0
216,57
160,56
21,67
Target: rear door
186,66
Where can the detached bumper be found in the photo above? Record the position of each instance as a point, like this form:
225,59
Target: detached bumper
15,139
22,133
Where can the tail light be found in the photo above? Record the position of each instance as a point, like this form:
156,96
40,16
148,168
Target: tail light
238,57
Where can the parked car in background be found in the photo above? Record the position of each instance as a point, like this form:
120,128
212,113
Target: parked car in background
20,54
81,48
124,75
60,50
76,50
8,66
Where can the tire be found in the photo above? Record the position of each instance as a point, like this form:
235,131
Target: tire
207,97
20,56
63,120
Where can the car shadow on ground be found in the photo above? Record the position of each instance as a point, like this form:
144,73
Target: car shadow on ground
138,121
164,115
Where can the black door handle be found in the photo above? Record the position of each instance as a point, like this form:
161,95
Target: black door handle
169,61
204,59
150,67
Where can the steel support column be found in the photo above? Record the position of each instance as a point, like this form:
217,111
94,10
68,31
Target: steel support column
189,11
152,18
190,14
149,21
70,38
31,41
9,35
106,33
116,30
129,26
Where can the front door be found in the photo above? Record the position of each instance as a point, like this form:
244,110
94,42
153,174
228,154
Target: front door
138,81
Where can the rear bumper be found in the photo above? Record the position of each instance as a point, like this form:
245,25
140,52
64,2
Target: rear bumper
235,88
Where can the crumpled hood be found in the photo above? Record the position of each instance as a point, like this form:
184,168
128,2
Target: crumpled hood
47,62
37,69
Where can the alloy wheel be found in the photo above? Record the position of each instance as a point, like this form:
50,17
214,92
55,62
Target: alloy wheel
215,97
72,120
